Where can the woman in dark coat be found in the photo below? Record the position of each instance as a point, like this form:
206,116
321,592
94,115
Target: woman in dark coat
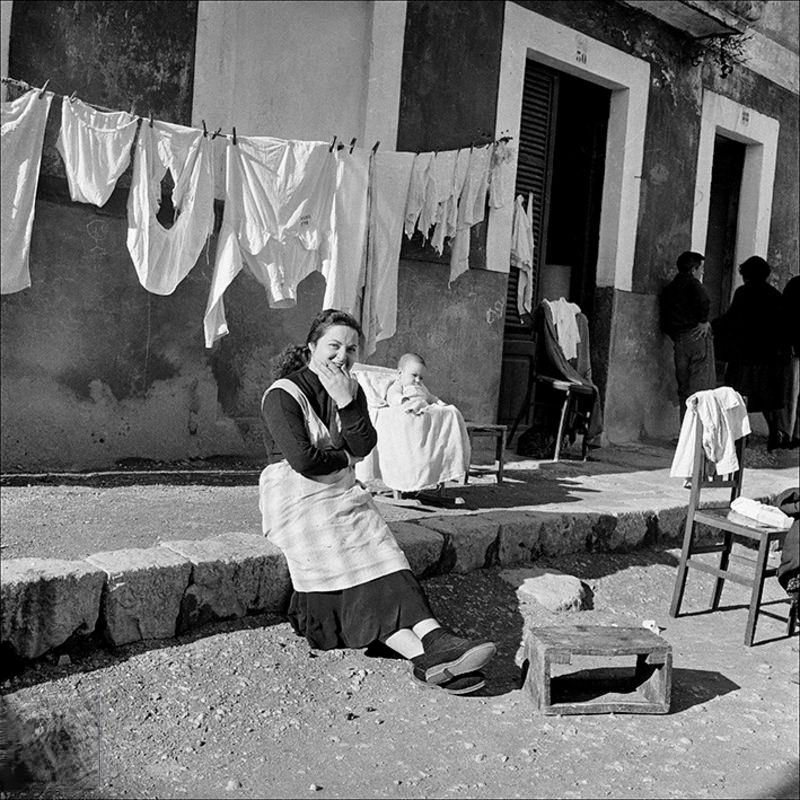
751,333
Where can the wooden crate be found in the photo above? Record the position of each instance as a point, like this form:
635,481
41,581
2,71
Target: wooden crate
598,690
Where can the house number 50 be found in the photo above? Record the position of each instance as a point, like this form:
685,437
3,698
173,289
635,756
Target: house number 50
580,56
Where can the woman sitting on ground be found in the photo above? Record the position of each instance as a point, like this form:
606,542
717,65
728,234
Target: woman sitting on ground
352,584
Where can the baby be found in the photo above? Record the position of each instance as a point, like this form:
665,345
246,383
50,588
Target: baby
408,389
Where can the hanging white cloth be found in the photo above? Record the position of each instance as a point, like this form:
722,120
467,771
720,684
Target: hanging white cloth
96,148
343,263
416,191
389,180
163,257
278,219
724,417
22,124
446,224
501,176
565,319
471,209
522,257
444,168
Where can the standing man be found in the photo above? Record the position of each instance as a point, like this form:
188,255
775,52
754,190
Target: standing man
684,318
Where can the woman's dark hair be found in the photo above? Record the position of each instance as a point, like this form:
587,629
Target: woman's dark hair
754,269
326,319
292,358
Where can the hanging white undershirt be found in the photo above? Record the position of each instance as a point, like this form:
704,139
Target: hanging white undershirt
163,257
416,191
22,124
565,319
522,256
96,148
501,177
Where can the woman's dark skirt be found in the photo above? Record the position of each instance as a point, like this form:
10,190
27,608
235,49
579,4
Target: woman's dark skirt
358,616
761,384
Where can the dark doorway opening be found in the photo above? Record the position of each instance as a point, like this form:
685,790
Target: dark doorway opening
560,173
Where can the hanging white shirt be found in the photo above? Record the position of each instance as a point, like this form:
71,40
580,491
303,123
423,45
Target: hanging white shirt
343,260
22,124
416,191
471,209
501,177
724,417
279,197
446,226
522,257
163,257
96,148
389,180
565,319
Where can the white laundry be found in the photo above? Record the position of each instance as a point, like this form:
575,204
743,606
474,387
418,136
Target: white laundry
723,415
96,148
163,257
445,169
471,209
522,258
761,512
279,209
501,177
565,319
343,261
22,123
416,191
437,187
389,180
446,226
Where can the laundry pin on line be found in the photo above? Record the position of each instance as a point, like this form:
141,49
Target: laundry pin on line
375,147
352,144
151,117
215,134
43,89
205,130
333,144
234,135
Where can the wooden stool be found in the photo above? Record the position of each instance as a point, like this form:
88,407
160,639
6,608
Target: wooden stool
499,433
646,692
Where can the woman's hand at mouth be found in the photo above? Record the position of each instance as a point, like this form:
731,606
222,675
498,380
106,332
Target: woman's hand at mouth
337,382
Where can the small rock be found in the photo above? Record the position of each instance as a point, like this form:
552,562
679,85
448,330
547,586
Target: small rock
232,785
64,660
315,787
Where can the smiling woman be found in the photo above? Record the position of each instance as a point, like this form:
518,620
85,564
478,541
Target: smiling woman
352,583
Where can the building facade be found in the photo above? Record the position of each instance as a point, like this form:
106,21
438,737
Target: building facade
639,130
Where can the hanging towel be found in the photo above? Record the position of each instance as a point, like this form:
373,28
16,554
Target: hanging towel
96,148
163,256
22,123
445,167
389,180
565,319
471,209
724,417
343,258
522,258
416,191
279,198
501,177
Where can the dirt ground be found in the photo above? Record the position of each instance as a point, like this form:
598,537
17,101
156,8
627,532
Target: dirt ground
245,709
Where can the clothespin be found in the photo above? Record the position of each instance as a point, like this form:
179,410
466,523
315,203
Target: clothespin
133,108
352,144
42,90
234,135
333,144
375,147
215,134
340,146
205,130
151,117
72,96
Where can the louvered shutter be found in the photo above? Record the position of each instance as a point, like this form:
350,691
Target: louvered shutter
536,141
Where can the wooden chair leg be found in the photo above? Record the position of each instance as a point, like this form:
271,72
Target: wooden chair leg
466,474
758,588
523,410
500,452
683,568
791,622
560,434
719,582
585,443
395,494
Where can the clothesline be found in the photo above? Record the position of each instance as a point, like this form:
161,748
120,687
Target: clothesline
20,84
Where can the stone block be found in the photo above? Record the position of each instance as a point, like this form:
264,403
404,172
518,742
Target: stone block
232,575
470,542
422,546
45,601
552,589
518,537
143,594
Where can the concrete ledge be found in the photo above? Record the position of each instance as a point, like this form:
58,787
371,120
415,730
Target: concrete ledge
232,575
422,546
143,593
45,601
470,542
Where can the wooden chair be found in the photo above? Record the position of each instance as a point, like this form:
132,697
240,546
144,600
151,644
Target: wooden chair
725,520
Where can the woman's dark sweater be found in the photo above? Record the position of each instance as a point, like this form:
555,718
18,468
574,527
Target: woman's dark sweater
287,426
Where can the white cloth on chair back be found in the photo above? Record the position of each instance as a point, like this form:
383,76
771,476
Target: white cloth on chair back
723,415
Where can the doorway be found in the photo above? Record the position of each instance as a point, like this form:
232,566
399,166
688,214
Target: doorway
560,171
